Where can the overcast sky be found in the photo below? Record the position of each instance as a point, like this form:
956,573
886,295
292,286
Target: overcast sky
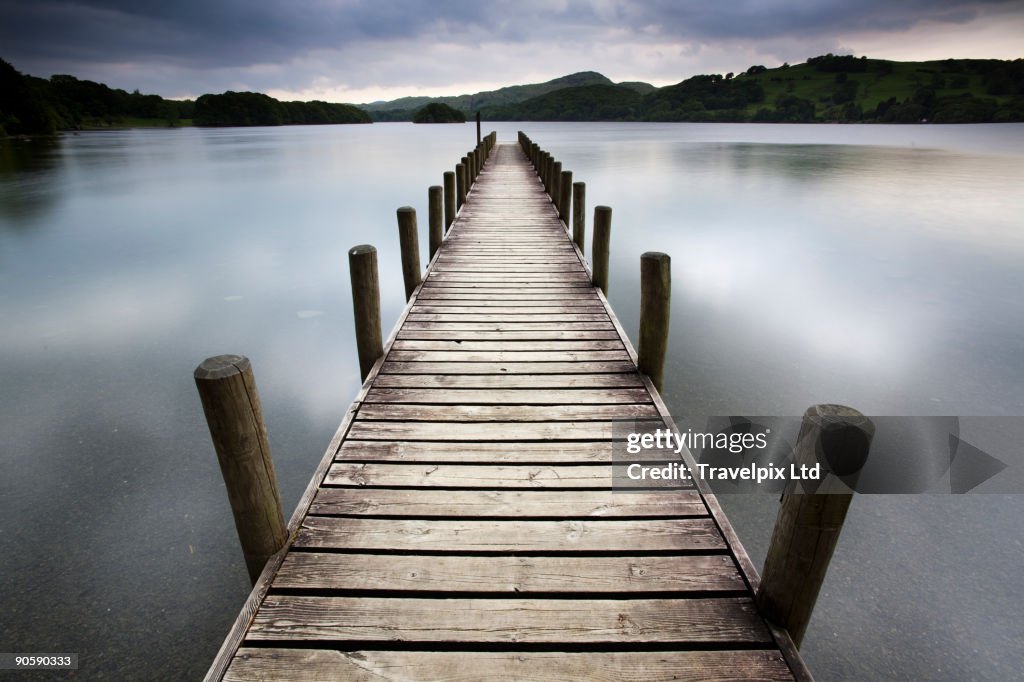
365,50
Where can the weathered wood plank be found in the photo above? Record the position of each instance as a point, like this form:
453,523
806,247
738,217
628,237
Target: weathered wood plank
504,413
508,621
512,574
480,453
323,532
489,335
610,366
491,431
433,503
582,396
470,476
508,356
327,665
475,345
509,381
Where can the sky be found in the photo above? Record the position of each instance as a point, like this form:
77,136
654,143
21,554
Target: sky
365,50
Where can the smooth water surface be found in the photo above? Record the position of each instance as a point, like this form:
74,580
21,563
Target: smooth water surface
877,266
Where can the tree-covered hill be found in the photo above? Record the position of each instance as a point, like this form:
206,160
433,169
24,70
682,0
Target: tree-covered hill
436,112
257,109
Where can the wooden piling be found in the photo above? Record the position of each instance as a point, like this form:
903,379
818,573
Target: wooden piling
435,219
362,267
579,215
655,304
410,246
449,200
808,525
460,185
601,247
478,140
565,196
556,182
231,403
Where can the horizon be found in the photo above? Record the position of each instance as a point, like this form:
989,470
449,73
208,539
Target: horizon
362,52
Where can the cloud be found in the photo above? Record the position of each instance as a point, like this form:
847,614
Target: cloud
356,46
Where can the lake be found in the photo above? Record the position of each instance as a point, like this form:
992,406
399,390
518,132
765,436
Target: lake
876,266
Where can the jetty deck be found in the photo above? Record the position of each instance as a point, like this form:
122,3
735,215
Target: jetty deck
463,525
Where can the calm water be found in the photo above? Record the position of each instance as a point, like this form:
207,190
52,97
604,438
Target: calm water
875,266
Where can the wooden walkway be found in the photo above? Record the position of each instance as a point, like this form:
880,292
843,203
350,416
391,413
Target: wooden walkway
463,526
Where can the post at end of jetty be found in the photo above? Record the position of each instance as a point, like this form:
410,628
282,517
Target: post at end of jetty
231,403
808,524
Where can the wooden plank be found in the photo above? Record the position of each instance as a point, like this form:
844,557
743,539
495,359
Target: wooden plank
581,396
434,503
460,536
467,453
474,345
508,356
511,574
507,317
491,431
470,476
508,381
481,335
508,621
549,309
510,327
504,413
327,665
610,366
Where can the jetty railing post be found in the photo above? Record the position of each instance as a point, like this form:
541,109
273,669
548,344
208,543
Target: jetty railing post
231,403
469,173
478,128
556,182
435,219
808,525
601,247
449,200
362,267
565,196
655,303
409,243
579,216
460,185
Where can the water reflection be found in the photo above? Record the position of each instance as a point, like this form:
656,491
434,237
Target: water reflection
877,266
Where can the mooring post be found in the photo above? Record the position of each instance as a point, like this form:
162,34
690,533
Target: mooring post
478,127
837,438
460,185
565,196
469,173
601,247
435,218
449,199
410,245
231,403
556,182
579,216
655,303
362,268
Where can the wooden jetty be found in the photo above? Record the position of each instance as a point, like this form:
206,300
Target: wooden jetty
462,525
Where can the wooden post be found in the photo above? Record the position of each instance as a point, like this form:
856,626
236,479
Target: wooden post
808,525
478,128
409,242
655,303
601,247
556,182
435,219
579,215
449,199
227,389
362,267
469,173
565,196
460,185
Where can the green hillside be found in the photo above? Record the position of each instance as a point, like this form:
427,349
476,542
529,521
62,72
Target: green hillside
829,88
402,109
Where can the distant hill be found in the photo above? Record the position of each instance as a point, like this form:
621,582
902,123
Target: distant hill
828,88
436,112
402,109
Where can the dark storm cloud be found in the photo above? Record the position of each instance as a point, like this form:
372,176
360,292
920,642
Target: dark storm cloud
196,45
